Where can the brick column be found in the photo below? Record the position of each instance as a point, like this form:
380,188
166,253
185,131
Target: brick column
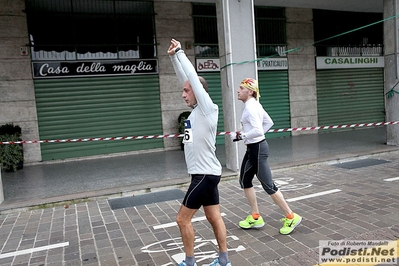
172,21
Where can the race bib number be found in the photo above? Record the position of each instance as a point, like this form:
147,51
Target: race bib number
188,132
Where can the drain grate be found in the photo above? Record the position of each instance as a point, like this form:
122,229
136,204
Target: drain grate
360,163
153,197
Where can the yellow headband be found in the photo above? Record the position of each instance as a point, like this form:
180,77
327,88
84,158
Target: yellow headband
251,84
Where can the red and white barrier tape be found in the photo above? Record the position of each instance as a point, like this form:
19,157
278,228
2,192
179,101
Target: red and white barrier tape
181,135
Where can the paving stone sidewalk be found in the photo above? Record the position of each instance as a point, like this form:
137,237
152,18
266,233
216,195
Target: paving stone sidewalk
360,201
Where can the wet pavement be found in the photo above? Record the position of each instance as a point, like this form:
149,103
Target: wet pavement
343,184
51,182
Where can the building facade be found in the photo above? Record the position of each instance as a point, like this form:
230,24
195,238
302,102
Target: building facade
99,69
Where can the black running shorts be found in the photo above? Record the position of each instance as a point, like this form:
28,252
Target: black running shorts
203,191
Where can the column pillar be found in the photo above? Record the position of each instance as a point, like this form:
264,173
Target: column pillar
301,70
391,71
236,30
1,189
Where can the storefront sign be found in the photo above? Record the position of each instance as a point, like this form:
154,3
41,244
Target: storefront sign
349,62
272,64
60,69
213,64
206,65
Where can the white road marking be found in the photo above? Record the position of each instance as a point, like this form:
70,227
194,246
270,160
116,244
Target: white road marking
313,195
392,179
175,224
31,250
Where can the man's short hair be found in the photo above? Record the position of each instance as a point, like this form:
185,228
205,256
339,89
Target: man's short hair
204,83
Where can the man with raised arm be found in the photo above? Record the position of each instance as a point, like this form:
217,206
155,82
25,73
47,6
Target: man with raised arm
203,166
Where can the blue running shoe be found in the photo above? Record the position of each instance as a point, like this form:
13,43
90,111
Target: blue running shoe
183,263
216,262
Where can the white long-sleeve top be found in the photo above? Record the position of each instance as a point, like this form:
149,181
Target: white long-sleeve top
255,122
200,149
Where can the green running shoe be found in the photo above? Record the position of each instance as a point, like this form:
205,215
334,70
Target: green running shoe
250,222
290,224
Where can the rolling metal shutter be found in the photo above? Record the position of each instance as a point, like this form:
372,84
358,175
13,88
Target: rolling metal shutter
215,91
275,98
349,96
98,107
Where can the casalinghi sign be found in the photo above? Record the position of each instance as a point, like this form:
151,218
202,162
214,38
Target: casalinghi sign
349,62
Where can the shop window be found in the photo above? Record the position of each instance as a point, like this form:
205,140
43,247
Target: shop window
270,25
205,30
332,39
90,29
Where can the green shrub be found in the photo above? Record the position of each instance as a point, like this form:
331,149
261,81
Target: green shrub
183,116
180,122
11,155
10,129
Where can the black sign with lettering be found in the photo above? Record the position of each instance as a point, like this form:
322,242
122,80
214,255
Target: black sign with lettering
58,69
